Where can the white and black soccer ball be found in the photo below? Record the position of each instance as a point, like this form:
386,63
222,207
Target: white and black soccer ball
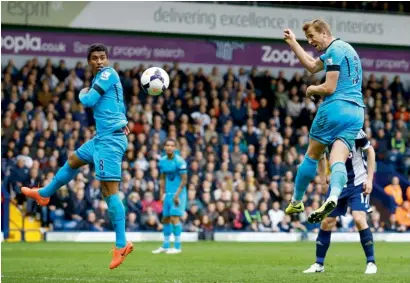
154,81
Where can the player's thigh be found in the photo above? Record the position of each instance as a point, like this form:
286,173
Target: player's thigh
338,119
339,153
359,203
328,223
108,154
83,155
349,123
320,130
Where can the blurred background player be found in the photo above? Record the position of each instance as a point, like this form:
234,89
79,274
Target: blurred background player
105,150
356,195
174,178
340,116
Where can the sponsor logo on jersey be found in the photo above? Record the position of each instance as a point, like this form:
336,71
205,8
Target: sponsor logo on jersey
105,75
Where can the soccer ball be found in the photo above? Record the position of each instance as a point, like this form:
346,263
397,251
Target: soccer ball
154,81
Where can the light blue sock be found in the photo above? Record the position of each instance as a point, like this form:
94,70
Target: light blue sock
306,173
177,234
167,233
63,176
338,178
117,215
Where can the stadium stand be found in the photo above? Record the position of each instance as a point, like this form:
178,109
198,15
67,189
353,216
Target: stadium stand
243,135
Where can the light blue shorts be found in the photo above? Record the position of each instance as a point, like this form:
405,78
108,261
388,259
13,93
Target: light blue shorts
338,119
106,154
170,209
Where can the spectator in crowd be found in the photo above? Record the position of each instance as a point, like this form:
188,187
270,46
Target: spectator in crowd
220,225
132,224
285,225
265,225
207,228
276,215
375,224
150,220
90,223
403,216
408,193
395,191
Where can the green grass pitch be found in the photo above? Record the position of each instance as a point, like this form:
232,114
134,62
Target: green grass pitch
201,262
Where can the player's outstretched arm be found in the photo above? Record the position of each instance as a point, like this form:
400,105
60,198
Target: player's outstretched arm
371,168
310,63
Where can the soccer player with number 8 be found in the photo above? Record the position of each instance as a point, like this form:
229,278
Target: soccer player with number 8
105,150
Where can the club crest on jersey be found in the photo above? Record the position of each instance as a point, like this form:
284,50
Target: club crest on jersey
105,75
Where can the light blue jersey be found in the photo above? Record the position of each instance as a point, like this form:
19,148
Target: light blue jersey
173,168
341,56
107,148
106,98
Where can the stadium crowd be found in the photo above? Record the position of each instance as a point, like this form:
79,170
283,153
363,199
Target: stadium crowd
243,135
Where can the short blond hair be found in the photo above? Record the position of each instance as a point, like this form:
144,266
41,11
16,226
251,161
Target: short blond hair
318,25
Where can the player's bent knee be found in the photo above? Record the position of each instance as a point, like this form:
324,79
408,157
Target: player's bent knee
328,224
75,162
175,219
109,188
360,220
315,149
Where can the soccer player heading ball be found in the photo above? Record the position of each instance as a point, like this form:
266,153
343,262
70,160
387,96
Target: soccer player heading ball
105,150
339,118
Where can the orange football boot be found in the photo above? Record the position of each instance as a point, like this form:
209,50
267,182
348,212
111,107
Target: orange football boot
120,254
33,193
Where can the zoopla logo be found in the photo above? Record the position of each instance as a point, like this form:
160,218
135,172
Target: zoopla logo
273,55
30,43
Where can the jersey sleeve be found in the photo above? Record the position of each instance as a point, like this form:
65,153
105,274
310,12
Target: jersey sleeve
182,166
362,140
105,80
364,143
332,60
90,98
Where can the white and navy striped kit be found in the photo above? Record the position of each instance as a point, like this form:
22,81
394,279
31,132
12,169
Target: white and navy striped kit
356,164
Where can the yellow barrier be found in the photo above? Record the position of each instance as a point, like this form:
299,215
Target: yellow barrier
23,225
